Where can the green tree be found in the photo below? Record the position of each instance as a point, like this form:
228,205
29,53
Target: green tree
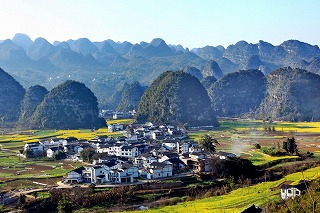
64,206
28,153
87,154
59,155
208,143
22,199
290,146
237,168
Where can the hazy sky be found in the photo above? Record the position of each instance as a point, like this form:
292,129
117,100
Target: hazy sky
192,23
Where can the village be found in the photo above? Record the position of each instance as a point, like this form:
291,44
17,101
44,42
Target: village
142,156
147,152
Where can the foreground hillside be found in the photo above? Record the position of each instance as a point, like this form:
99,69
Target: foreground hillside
239,199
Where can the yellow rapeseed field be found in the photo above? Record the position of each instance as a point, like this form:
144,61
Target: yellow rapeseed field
307,127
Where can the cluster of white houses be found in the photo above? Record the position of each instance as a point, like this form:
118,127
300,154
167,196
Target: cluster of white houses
139,154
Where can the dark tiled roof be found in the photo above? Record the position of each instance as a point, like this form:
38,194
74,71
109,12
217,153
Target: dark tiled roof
105,146
111,163
175,160
252,209
301,185
127,147
79,170
71,139
226,154
56,148
171,154
126,165
158,164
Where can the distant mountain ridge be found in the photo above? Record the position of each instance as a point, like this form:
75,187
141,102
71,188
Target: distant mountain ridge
106,65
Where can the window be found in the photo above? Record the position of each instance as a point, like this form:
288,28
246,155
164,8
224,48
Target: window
297,192
289,191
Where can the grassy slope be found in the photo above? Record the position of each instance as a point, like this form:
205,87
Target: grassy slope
241,198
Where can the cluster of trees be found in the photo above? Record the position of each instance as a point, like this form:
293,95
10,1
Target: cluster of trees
227,168
68,200
89,154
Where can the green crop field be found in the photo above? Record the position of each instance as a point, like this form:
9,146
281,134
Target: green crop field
239,199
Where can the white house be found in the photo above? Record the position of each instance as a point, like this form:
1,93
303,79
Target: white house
183,147
77,149
197,155
177,164
45,141
194,147
291,191
75,176
224,155
115,127
119,176
94,174
159,170
129,169
53,150
119,149
138,162
102,138
157,135
170,130
147,159
119,115
147,134
129,151
57,141
170,145
167,155
124,173
35,147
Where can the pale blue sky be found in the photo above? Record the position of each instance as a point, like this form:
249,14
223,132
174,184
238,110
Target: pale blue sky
192,23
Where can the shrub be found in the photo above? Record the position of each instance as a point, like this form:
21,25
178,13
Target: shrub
272,151
257,146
